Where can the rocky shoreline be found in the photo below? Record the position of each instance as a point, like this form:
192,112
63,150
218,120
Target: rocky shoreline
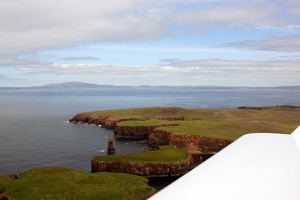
145,169
103,121
154,137
199,147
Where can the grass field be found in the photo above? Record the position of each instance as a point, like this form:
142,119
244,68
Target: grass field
143,113
216,123
62,183
164,154
149,122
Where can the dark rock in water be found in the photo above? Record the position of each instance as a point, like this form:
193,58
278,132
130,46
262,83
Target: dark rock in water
111,148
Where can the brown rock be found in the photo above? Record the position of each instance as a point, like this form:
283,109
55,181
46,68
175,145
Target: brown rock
204,144
145,169
13,176
133,132
110,147
5,198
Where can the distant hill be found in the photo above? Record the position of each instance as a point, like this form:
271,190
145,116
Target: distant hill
288,87
71,85
81,85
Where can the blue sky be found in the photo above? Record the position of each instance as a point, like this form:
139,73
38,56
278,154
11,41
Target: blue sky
141,42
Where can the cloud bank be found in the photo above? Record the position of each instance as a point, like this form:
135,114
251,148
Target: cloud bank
284,44
29,25
193,72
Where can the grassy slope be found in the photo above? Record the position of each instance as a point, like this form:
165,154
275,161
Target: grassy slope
142,113
63,183
233,123
149,122
217,123
164,154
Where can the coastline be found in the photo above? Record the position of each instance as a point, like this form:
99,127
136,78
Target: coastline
181,128
199,132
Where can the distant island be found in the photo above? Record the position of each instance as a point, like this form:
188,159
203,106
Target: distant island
80,85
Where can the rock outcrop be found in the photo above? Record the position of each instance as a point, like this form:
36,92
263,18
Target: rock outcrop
199,147
104,121
133,132
204,144
155,137
137,132
110,147
145,169
159,137
188,142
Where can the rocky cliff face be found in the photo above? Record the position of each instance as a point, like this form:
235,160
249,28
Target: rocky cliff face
159,137
145,169
188,142
196,142
134,132
200,147
156,137
137,132
104,121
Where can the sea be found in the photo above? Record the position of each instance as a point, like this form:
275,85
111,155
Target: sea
34,127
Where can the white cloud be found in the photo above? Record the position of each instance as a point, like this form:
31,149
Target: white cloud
58,68
79,58
242,66
181,72
284,44
174,66
29,25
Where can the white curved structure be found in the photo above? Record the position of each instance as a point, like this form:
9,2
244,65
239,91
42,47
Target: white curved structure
259,166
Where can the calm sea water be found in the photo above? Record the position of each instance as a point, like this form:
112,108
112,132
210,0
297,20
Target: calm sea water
34,130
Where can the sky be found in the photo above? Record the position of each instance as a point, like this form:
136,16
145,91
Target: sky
145,42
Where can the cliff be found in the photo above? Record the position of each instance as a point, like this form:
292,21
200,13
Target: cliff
200,132
204,144
133,132
145,169
199,147
155,137
105,121
137,131
159,137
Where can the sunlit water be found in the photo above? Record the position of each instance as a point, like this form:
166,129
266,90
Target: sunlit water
34,128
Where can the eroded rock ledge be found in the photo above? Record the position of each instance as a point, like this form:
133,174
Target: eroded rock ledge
145,169
200,148
104,121
155,137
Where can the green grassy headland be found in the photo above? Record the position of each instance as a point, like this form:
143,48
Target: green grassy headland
63,183
217,123
164,154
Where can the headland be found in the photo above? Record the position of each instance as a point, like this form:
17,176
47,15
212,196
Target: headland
200,132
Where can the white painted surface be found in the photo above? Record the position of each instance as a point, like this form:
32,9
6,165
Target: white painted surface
260,166
296,135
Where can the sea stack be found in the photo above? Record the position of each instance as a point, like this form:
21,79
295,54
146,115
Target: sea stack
110,147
